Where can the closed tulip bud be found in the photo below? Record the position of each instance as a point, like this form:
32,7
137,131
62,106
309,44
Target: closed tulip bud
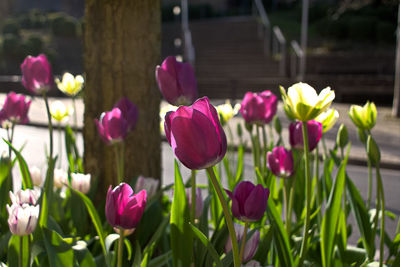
342,137
129,112
22,219
196,135
177,82
69,84
363,117
251,245
80,182
124,209
60,112
37,76
249,202
314,130
373,150
36,176
15,108
302,102
259,108
27,196
277,125
148,184
199,201
328,119
280,162
60,178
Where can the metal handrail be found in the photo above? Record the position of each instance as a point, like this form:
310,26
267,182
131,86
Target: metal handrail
279,47
189,51
264,27
296,69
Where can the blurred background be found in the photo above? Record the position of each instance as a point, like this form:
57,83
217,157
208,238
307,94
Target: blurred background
234,45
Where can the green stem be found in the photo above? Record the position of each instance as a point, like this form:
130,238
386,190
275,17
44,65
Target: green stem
369,183
286,195
29,250
193,197
20,258
271,134
265,148
258,148
228,218
75,116
59,145
290,207
316,174
344,191
304,244
119,158
46,101
120,247
243,242
382,195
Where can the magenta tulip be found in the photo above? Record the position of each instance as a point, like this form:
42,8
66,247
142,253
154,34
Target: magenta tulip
196,135
314,129
259,108
280,162
37,76
177,82
249,202
124,209
15,108
112,126
129,112
251,245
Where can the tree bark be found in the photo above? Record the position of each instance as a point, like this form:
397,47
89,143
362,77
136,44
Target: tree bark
122,48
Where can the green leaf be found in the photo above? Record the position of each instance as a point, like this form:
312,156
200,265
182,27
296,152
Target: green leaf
330,221
160,260
148,250
83,255
25,174
59,252
281,240
14,250
181,234
5,184
239,168
47,193
207,244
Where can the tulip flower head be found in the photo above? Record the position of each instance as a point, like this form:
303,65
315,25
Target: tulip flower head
302,102
26,196
328,119
80,182
37,75
314,129
69,84
259,108
60,178
148,184
226,111
251,245
22,219
177,82
196,135
363,117
199,201
124,209
36,176
15,108
249,202
280,162
129,112
60,112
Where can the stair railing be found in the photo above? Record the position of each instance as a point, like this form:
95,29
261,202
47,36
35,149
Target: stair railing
279,48
188,48
296,69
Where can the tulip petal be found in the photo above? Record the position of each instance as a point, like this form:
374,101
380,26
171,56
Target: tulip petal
256,204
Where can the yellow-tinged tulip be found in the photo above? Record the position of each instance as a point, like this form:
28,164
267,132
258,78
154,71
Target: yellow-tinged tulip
226,111
59,111
364,117
69,84
302,102
328,119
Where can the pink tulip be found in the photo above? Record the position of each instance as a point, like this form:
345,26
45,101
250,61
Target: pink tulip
259,108
280,162
37,76
251,245
314,129
177,82
249,202
196,135
124,209
15,108
129,112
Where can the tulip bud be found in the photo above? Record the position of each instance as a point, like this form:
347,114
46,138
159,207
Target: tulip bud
80,182
148,184
69,84
277,125
36,176
302,102
314,130
177,82
363,117
196,135
328,119
124,209
280,162
60,178
259,108
22,219
60,112
15,108
199,201
251,245
27,196
373,151
37,76
249,202
342,137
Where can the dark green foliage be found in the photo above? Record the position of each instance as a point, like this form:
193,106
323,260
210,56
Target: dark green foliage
34,19
11,45
63,25
11,26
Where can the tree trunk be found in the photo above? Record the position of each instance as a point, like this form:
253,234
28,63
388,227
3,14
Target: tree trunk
122,49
